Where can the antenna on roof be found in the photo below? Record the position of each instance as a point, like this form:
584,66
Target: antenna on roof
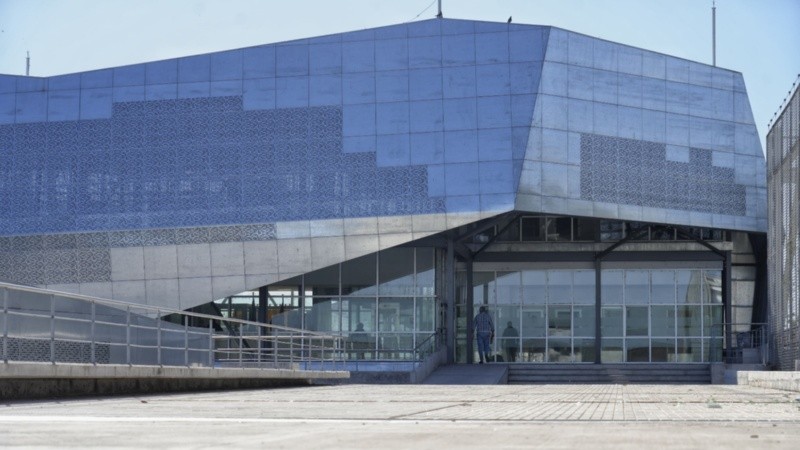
28,65
439,14
714,33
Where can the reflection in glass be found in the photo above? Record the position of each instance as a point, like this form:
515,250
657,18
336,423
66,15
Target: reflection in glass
712,320
663,350
637,287
612,287
559,323
586,229
534,287
508,288
689,350
712,286
584,350
511,233
396,271
533,350
712,349
663,323
559,286
636,321
688,283
425,314
611,321
483,288
663,286
689,321
395,314
611,350
426,272
583,290
533,322
559,350
637,350
584,321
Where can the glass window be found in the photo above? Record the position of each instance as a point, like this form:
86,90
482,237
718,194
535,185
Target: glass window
532,229
586,229
663,350
559,350
663,320
637,231
425,314
508,288
611,321
483,287
712,286
395,314
396,271
358,276
583,318
558,228
534,287
712,320
662,234
612,350
637,287
712,349
533,322
583,290
611,230
584,350
689,350
426,272
559,286
511,233
636,321
663,286
322,282
533,350
359,311
637,350
612,287
689,320
688,285
559,321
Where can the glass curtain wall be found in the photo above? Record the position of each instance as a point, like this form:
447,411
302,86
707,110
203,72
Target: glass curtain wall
384,302
648,315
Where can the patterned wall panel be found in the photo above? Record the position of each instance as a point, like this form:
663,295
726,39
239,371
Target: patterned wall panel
634,172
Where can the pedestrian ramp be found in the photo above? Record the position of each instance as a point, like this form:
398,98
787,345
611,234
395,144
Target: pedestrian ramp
469,374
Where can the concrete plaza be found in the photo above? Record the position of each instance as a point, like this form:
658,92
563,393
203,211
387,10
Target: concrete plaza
417,416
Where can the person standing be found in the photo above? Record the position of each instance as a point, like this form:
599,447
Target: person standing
484,332
511,342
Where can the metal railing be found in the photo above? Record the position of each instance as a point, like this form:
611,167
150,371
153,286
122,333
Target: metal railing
46,326
743,343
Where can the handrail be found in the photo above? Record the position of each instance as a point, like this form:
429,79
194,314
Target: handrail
147,335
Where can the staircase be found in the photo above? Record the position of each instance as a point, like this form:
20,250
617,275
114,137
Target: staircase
609,373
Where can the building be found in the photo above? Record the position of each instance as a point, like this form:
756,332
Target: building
607,202
783,178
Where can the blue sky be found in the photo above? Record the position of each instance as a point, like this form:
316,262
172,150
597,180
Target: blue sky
760,38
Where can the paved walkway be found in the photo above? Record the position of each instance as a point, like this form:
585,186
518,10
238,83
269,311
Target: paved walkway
419,417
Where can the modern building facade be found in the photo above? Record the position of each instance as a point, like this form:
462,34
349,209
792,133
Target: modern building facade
607,203
783,157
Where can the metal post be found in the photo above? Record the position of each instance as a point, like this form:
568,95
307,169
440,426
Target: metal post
727,300
291,347
241,346
186,340
211,343
128,336
275,348
598,293
53,329
158,335
5,325
470,315
94,318
260,338
449,300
